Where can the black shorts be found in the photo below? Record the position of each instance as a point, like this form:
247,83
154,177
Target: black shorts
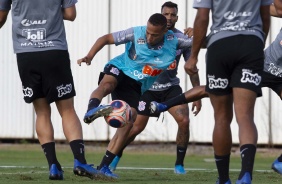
235,61
159,96
46,74
273,82
128,89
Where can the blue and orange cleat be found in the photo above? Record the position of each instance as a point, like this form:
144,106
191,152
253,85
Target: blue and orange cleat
92,114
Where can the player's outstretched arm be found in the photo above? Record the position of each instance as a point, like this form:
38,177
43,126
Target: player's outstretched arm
98,45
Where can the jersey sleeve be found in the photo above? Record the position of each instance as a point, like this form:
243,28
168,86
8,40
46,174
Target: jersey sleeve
124,36
202,4
266,2
5,4
184,42
68,3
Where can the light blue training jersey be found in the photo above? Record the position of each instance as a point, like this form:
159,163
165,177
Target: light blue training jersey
148,62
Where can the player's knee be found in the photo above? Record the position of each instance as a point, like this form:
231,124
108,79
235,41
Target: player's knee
108,86
137,129
184,124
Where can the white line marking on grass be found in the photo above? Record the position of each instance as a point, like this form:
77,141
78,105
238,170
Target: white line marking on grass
118,168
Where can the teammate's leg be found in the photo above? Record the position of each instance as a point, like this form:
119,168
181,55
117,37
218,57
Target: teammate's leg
181,115
222,138
45,133
244,104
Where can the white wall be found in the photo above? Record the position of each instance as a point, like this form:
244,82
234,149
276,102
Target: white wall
94,19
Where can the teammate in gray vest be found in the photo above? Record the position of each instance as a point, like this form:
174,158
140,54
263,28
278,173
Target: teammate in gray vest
234,65
40,44
271,78
164,88
272,75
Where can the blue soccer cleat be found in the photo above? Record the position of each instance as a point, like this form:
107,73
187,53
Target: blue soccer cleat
114,163
156,107
277,166
105,171
228,182
55,174
84,170
92,114
179,169
246,179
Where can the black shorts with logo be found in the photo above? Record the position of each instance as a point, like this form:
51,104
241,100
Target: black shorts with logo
159,96
46,74
273,82
235,61
128,89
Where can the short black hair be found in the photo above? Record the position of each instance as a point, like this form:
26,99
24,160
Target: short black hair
158,19
170,5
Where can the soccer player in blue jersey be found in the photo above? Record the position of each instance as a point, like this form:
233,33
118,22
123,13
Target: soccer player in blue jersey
149,51
40,44
164,88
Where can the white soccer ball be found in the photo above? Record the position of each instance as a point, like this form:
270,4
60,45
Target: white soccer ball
121,114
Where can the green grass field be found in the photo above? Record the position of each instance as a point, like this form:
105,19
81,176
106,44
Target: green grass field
140,164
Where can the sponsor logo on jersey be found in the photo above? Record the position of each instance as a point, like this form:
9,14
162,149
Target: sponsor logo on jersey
141,41
63,90
274,70
38,44
172,66
157,60
27,22
149,70
231,15
249,77
217,83
141,106
161,86
34,35
170,37
27,92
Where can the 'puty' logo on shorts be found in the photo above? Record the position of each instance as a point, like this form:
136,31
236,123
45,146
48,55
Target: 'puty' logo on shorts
27,92
217,83
249,77
63,90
